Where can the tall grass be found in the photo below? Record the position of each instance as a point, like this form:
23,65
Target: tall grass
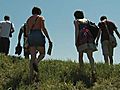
57,75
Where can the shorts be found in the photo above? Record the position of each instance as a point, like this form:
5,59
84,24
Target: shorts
36,38
4,45
107,48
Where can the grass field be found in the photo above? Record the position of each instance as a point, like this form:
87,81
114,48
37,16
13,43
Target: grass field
57,75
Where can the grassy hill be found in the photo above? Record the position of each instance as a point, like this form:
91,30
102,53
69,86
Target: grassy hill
57,75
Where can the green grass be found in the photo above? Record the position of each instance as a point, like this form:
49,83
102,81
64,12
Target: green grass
57,75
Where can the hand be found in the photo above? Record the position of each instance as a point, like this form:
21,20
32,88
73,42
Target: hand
18,44
50,42
96,43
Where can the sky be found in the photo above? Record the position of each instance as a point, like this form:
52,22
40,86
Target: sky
59,19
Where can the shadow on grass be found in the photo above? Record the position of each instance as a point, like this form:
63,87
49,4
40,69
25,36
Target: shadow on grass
87,78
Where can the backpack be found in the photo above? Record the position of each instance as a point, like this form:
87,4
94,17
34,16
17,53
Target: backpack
93,29
84,35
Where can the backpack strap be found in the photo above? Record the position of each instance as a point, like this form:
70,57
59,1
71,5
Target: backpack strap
34,23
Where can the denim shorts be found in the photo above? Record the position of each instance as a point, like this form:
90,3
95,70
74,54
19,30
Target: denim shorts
36,38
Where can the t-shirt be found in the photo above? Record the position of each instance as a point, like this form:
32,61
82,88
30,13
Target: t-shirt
111,27
5,27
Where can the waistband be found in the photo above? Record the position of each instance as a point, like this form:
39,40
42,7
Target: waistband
35,30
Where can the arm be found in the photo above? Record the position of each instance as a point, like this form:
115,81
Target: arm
45,31
20,35
0,28
76,32
12,28
46,34
98,36
117,33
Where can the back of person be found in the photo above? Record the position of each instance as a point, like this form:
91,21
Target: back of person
26,49
85,35
5,28
37,19
84,40
36,37
36,33
110,26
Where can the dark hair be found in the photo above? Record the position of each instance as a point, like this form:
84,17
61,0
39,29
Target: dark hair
103,17
6,18
36,10
78,15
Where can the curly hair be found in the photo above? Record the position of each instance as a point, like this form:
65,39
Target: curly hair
36,10
78,15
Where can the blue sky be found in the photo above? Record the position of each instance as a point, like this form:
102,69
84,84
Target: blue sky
59,22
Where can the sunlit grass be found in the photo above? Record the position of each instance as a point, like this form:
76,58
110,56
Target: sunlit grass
57,75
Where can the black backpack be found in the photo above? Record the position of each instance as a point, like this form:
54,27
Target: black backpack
93,29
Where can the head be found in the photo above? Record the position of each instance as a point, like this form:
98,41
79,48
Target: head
78,15
6,18
36,10
102,18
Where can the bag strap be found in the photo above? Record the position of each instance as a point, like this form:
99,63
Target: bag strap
34,22
107,27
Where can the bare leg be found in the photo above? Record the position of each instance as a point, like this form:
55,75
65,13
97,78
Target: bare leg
42,53
26,53
91,59
36,62
106,59
111,60
33,57
81,59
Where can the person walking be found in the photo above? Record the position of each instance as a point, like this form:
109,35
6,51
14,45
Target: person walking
84,39
26,49
6,30
36,32
106,31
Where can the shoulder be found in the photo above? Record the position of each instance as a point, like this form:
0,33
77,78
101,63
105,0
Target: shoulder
100,24
75,21
5,22
22,27
29,18
41,18
84,20
2,21
110,22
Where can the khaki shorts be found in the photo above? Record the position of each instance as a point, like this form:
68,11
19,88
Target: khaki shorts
107,49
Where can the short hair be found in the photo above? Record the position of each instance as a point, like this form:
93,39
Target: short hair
103,17
36,10
78,15
6,18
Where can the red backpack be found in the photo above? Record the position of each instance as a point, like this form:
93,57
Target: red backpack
85,35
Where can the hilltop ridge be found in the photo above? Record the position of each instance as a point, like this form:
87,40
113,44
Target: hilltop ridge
57,75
